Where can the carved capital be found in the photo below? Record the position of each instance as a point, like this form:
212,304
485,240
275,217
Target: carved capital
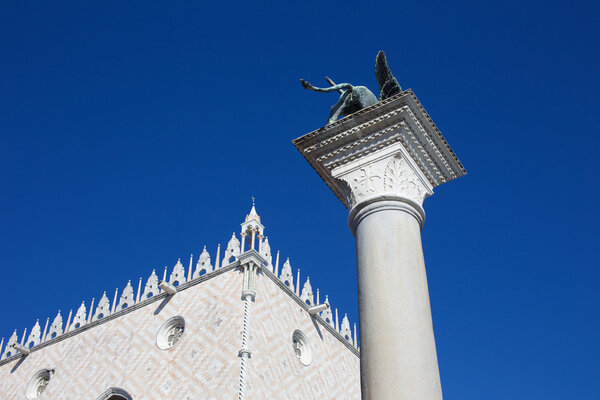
385,173
391,148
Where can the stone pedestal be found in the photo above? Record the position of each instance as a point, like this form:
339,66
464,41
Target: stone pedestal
382,162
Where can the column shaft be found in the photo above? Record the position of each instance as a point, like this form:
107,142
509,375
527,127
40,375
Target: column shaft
398,355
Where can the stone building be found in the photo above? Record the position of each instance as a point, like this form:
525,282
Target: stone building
236,328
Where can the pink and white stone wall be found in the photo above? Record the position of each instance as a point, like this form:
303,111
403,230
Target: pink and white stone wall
121,351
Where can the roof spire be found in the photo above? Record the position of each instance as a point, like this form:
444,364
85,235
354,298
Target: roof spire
253,215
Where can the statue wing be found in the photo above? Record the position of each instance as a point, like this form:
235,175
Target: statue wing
388,85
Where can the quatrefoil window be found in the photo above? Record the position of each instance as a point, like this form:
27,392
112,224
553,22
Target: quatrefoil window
170,333
174,335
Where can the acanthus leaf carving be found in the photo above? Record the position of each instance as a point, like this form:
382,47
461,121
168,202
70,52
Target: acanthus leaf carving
398,177
389,175
349,199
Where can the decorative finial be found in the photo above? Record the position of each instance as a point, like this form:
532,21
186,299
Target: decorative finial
253,214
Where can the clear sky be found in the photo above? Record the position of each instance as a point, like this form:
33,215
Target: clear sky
135,133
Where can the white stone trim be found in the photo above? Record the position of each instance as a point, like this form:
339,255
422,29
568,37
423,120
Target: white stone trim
396,127
60,337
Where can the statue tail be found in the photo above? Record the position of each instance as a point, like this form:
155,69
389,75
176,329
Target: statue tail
339,86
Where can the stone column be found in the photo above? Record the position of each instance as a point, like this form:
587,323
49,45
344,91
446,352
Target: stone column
382,162
396,331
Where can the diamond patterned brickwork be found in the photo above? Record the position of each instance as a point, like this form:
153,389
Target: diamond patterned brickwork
275,372
204,364
123,352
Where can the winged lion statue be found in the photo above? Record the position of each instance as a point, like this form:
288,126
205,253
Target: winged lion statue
354,98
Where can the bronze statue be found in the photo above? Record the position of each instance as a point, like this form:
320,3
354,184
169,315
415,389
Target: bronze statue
354,98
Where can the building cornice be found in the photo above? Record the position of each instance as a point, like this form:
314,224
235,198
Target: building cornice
305,307
398,125
122,312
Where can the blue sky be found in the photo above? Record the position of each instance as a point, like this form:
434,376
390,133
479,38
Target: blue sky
136,133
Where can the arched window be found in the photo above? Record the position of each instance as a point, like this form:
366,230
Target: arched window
114,393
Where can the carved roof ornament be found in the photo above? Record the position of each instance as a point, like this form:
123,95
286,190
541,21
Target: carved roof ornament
79,319
35,336
286,275
345,329
232,251
126,299
151,288
8,350
56,327
307,293
252,215
178,275
203,265
102,309
265,252
355,98
327,314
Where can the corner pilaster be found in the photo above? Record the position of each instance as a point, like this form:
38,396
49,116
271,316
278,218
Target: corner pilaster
250,261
